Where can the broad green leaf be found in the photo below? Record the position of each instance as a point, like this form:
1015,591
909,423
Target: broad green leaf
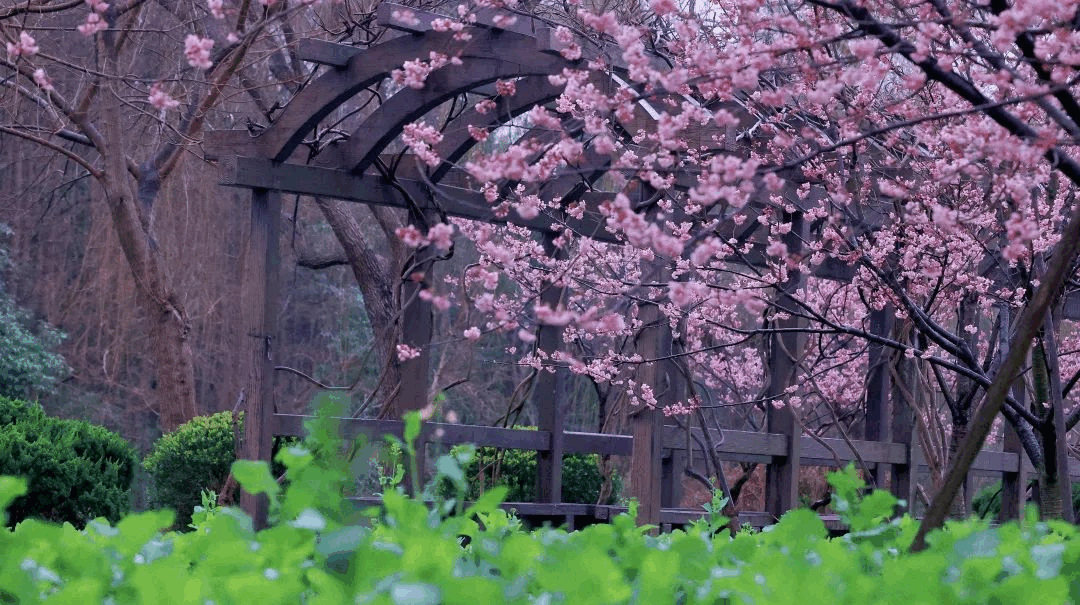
1048,560
310,519
415,594
448,467
412,428
254,476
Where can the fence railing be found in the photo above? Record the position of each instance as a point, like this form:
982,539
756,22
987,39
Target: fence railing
738,446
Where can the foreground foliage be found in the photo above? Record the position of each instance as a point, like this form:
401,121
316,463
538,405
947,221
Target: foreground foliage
316,553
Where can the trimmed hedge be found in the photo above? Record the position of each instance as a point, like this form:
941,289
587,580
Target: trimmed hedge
76,471
196,456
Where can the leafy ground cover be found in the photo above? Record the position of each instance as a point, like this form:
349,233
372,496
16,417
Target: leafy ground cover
320,550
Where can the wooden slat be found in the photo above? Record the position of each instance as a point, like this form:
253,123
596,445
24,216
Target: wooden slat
996,462
604,512
326,53
672,470
220,144
599,443
321,181
733,442
449,434
870,451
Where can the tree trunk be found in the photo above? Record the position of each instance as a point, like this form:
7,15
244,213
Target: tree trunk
959,507
172,355
376,283
168,325
1054,489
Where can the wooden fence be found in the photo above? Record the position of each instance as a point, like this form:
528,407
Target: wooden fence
739,446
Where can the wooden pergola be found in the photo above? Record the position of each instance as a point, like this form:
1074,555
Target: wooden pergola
277,161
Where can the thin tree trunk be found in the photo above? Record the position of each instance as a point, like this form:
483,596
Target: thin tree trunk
376,282
168,326
1054,489
959,507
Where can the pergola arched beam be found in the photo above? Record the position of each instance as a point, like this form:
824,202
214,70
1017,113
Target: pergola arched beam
532,91
488,56
387,122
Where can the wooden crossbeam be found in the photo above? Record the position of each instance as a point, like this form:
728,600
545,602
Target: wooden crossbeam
736,445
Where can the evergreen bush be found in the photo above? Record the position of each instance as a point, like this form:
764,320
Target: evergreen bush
76,471
195,457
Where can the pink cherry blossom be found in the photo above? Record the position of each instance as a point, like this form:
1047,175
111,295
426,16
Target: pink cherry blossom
42,80
441,236
406,352
159,99
197,51
217,8
93,24
25,47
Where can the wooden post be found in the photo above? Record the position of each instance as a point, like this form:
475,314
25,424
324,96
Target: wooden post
1013,485
904,477
878,386
671,474
260,272
647,423
782,475
416,329
671,388
548,395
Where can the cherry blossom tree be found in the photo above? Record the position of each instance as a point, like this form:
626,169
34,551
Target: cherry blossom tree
919,154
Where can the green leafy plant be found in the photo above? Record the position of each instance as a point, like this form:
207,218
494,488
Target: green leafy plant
76,471
390,466
320,551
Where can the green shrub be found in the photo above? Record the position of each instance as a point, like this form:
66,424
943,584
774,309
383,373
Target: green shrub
987,502
14,410
195,457
76,471
516,469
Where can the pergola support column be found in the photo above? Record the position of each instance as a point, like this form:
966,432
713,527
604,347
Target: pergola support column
549,396
785,347
260,291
